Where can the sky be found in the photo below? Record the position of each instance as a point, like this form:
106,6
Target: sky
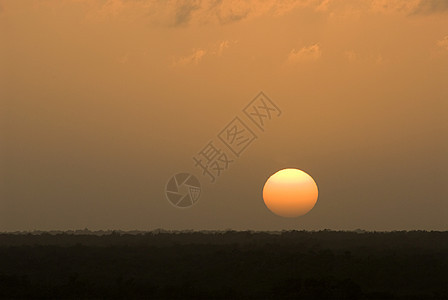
103,101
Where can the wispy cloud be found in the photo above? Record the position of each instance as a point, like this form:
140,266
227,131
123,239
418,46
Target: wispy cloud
216,49
431,6
305,54
231,11
124,58
220,47
185,11
351,56
193,58
393,6
364,58
443,43
180,13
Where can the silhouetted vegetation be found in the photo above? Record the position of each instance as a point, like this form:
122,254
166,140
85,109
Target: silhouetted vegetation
225,265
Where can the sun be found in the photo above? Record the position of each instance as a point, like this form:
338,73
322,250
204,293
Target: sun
290,193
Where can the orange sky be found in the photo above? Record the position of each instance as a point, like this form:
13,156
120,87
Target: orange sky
101,101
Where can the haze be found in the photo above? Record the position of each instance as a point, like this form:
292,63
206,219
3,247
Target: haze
101,102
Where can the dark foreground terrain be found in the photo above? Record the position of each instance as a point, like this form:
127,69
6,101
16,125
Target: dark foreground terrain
225,265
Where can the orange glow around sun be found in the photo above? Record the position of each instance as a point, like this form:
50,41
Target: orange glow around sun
290,193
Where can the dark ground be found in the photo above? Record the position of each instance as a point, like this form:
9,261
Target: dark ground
225,265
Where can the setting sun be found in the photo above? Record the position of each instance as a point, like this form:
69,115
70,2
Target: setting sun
290,193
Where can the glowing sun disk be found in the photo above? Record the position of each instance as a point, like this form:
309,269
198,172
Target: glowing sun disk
290,193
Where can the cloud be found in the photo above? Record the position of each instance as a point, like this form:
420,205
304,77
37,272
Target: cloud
187,12
305,54
431,6
215,50
364,58
220,47
194,58
443,43
3,9
181,13
184,12
393,6
351,56
409,7
379,59
230,11
124,58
